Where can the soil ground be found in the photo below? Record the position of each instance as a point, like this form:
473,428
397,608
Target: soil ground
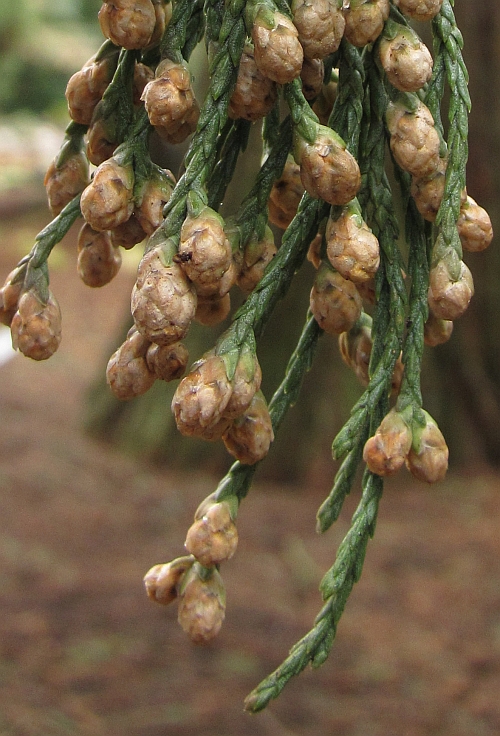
82,650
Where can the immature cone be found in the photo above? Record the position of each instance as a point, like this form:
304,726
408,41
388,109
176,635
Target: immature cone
352,248
202,605
278,53
245,384
406,61
170,102
385,452
327,170
163,300
128,234
86,88
162,581
66,180
421,10
211,310
437,331
98,259
142,75
428,191
428,457
153,198
323,105
205,253
285,195
355,349
448,297
249,437
128,23
474,226
364,20
335,302
36,326
127,373
254,94
256,256
167,362
213,538
414,139
101,137
320,24
108,200
10,293
311,76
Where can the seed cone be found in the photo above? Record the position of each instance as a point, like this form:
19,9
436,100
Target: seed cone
213,538
312,75
254,94
320,24
428,191
98,259
212,310
127,373
162,581
170,102
10,293
202,605
167,362
65,181
428,457
364,20
163,300
449,298
437,331
245,383
128,23
474,226
256,256
108,201
414,140
36,326
327,170
421,10
285,195
153,198
335,302
278,53
86,88
128,234
385,452
249,437
406,61
323,105
352,248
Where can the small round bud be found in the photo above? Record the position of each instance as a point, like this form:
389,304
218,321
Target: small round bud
170,102
128,234
213,538
320,24
421,10
335,302
277,50
167,362
36,326
428,457
327,170
414,139
128,23
428,192
10,293
108,200
474,226
385,452
202,605
256,256
211,310
98,260
352,248
285,195
66,180
449,298
406,61
162,581
312,74
364,20
163,300
437,331
249,437
254,94
127,373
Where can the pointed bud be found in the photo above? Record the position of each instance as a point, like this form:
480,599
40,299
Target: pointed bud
127,373
414,140
278,53
335,301
474,226
162,582
285,195
128,24
36,326
406,61
421,10
428,457
98,259
202,605
108,200
385,452
249,437
167,362
352,248
254,94
213,538
364,20
320,24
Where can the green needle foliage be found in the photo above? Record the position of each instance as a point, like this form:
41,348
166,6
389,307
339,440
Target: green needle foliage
385,287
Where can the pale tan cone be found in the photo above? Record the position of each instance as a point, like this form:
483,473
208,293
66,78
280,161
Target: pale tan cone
128,23
421,10
250,436
202,606
36,326
414,140
406,61
277,51
334,301
254,94
108,200
364,20
127,373
385,452
320,24
213,538
64,182
98,259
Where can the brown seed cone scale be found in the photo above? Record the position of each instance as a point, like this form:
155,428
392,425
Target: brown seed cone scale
335,301
285,195
421,10
352,248
474,226
10,293
128,23
64,182
108,200
213,538
163,300
327,170
312,75
249,437
98,259
414,140
205,253
385,452
86,88
320,24
449,299
406,61
167,362
127,373
202,606
36,327
364,20
277,50
170,102
162,581
254,94
437,331
429,462
428,192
